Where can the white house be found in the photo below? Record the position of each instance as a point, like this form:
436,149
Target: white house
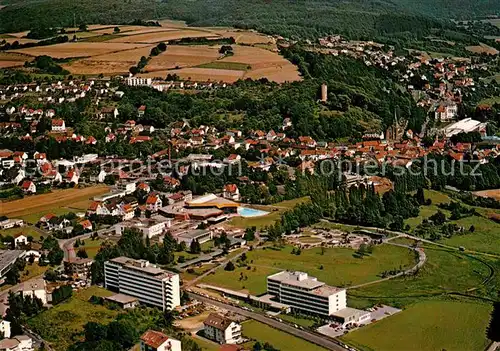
29,187
155,341
58,125
20,240
221,329
153,203
33,288
231,192
5,329
446,111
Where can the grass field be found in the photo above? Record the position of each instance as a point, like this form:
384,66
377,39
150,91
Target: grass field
33,207
280,340
235,66
91,247
444,272
275,210
28,231
340,268
62,325
427,211
430,325
79,49
485,238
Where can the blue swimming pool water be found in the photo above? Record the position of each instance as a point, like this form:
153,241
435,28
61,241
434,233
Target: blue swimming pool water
250,212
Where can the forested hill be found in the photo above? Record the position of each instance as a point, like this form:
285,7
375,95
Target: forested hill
290,18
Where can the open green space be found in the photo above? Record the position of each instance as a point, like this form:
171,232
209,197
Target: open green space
276,210
28,231
444,272
430,325
485,238
63,324
91,246
35,217
235,66
436,198
337,266
280,340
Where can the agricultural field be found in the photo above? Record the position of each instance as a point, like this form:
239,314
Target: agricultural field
63,324
430,325
482,48
33,207
79,49
337,266
102,50
109,63
282,341
8,59
495,194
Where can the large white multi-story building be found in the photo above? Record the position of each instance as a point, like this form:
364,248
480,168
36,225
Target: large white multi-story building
138,81
150,284
306,294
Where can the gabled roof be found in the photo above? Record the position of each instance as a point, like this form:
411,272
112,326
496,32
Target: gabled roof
154,338
217,321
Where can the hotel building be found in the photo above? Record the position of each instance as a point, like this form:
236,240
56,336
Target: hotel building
148,283
306,294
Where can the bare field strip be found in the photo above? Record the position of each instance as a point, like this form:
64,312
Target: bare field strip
482,48
287,73
20,40
81,49
151,38
495,194
182,56
58,198
7,64
200,74
114,63
244,36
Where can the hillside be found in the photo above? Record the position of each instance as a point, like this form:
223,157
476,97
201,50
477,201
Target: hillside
304,18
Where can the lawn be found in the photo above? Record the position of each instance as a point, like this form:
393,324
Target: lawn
235,66
62,325
276,210
444,272
427,211
336,266
35,217
280,340
91,247
430,325
28,231
486,237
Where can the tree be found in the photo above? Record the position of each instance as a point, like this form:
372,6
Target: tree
472,229
195,247
94,331
81,253
55,256
438,218
83,27
229,266
493,331
122,332
12,277
116,30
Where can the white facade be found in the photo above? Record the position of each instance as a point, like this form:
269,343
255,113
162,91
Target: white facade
5,329
34,288
138,278
156,341
137,81
148,227
221,329
305,293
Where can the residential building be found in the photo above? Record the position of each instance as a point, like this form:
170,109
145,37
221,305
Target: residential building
77,267
29,187
5,329
137,81
58,126
20,240
231,192
33,288
138,278
153,340
306,294
222,329
149,227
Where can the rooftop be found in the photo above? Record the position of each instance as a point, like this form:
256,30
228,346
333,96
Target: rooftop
154,338
121,298
298,279
142,266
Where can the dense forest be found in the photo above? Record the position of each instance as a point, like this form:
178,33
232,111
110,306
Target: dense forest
299,18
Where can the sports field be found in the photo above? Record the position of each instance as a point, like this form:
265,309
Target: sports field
430,325
337,266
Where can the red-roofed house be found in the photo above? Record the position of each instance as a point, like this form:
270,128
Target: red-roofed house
155,341
29,187
58,125
86,224
153,203
129,125
231,192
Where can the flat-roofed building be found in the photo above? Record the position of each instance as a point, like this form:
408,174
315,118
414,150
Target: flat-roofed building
138,278
149,227
7,260
200,235
306,294
124,301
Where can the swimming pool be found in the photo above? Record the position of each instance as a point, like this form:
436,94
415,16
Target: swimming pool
250,212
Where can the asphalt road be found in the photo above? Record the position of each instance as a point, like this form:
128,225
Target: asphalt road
322,341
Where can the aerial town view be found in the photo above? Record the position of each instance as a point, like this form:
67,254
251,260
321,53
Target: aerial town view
234,175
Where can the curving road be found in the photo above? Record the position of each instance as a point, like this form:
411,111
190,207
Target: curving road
317,339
